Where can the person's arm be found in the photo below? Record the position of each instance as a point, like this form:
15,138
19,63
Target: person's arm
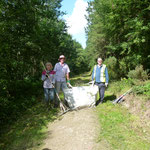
53,77
107,76
67,75
43,77
68,78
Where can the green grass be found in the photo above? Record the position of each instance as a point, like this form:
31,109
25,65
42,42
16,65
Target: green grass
140,88
81,80
118,127
28,131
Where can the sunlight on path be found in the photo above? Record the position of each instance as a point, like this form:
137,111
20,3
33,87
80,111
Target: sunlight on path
75,130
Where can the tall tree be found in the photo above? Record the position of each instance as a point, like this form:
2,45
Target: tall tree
31,31
119,28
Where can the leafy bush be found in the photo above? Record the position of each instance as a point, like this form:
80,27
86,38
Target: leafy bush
112,66
145,89
138,73
121,86
22,95
128,63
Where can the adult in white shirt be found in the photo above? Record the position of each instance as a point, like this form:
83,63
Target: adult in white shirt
62,72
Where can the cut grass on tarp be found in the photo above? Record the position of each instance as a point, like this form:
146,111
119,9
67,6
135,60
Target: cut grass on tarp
117,128
28,131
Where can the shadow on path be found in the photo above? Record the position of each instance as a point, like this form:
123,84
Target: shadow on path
109,98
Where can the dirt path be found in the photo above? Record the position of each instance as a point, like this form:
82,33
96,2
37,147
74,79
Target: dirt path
77,130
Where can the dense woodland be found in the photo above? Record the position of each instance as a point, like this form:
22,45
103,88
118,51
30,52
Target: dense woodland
32,31
119,32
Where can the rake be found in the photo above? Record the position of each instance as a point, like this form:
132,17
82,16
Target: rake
121,98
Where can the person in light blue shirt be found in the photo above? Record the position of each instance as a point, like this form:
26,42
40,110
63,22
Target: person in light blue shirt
62,72
100,78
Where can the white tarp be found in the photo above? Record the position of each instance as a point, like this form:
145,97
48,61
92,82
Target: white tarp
81,96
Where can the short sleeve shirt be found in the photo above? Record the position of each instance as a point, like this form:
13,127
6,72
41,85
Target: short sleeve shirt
61,71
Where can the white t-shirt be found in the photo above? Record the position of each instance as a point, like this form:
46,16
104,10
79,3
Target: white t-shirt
61,71
48,82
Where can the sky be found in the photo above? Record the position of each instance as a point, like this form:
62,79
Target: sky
75,18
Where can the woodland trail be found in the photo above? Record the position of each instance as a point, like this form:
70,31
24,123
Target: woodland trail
76,130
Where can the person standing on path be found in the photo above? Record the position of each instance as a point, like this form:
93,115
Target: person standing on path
62,72
100,78
48,78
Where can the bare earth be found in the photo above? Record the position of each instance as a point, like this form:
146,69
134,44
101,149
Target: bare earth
76,130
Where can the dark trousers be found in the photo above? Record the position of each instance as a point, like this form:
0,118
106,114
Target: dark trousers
101,87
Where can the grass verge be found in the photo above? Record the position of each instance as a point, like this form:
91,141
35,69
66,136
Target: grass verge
29,130
118,126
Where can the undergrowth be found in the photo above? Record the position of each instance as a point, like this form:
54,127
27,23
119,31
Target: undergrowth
29,130
143,90
140,88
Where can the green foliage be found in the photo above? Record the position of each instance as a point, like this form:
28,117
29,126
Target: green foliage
29,130
77,61
121,86
143,90
128,63
31,32
81,79
112,66
138,73
119,28
22,95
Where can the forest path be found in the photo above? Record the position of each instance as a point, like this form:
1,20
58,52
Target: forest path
76,130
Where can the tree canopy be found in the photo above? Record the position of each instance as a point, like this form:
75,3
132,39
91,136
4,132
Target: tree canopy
31,31
119,28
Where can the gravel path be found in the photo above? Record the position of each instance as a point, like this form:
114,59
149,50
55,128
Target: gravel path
76,130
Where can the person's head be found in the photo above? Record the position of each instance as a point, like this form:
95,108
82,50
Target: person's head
99,61
62,58
48,66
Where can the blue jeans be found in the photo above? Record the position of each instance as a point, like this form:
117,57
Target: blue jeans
49,94
101,87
